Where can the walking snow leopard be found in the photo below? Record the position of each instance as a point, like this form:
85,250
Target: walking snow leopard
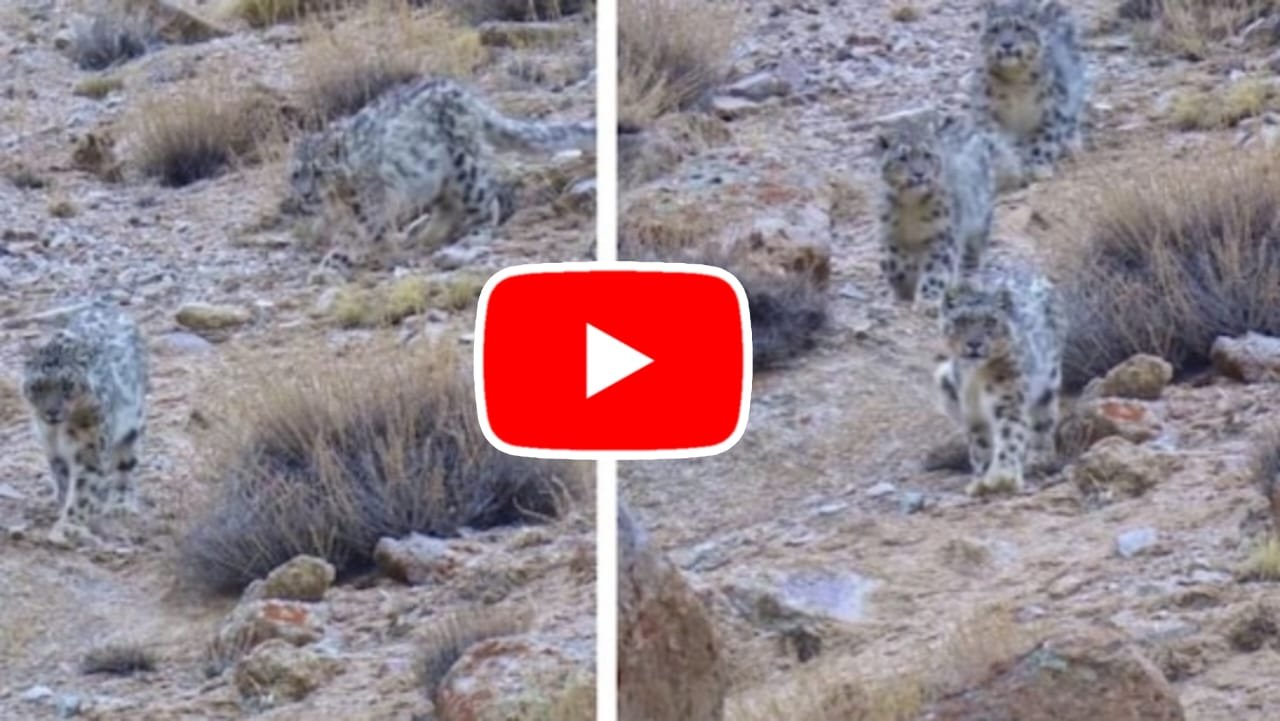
1004,332
938,203
420,148
1032,85
86,386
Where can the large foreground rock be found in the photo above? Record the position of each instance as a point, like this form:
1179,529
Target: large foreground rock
1115,467
668,658
277,671
1086,676
1251,358
518,677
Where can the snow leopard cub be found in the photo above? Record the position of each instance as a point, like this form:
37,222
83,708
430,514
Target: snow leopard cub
1004,332
1032,85
422,148
86,386
939,198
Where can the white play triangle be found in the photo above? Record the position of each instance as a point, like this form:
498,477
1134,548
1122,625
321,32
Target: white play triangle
609,360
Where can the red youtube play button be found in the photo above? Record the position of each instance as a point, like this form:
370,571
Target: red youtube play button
613,360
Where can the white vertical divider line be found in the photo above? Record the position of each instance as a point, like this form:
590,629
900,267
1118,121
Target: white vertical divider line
607,250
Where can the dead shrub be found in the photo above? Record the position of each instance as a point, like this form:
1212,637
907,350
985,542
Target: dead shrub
446,640
341,70
113,34
1170,261
479,11
264,13
202,130
787,302
1189,28
1265,471
328,456
671,53
118,659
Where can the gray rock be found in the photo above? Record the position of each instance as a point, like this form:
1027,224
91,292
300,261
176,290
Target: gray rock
183,342
36,694
1251,358
881,489
727,107
1135,541
911,502
760,86
417,559
453,257
1116,466
68,705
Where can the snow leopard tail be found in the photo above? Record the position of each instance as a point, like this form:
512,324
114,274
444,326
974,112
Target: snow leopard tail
533,135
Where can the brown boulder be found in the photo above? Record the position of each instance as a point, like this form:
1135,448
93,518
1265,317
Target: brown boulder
1117,467
668,657
1086,676
1142,376
518,677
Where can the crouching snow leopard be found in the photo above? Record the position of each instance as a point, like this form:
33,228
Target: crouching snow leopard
1032,86
939,200
420,148
86,386
1004,333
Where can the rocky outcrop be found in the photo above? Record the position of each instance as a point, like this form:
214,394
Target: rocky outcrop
669,663
304,578
1142,377
1117,467
1083,676
519,677
279,671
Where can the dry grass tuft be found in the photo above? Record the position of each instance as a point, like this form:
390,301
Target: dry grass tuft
118,659
1265,471
1170,261
1190,28
384,305
671,53
62,207
113,34
264,13
446,640
98,87
905,13
1263,563
203,130
325,457
830,693
341,70
788,303
1222,107
479,11
459,292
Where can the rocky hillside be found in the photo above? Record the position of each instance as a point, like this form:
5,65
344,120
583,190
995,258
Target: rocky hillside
145,149
843,579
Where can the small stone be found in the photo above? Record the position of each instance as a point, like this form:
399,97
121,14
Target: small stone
68,706
417,559
210,317
183,342
881,489
277,670
727,107
304,578
911,502
760,86
1138,540
1115,465
36,694
1142,377
1251,358
453,257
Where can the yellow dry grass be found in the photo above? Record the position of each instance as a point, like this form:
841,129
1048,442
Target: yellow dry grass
671,52
344,66
1221,108
1190,28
